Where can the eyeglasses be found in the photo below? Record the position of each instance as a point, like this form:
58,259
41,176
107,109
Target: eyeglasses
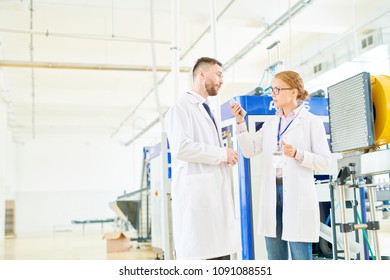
276,90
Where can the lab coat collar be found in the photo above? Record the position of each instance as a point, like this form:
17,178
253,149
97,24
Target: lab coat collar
301,110
299,114
195,97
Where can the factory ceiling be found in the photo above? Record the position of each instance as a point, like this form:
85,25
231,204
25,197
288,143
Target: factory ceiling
102,69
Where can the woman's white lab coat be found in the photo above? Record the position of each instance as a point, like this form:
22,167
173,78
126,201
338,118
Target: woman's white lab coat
204,225
301,218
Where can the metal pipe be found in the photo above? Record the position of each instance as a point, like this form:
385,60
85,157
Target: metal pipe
364,220
332,220
112,37
373,219
163,78
355,33
206,30
153,51
289,35
356,225
143,131
134,110
344,220
348,33
216,101
266,33
362,226
294,10
4,90
175,48
85,66
32,71
213,25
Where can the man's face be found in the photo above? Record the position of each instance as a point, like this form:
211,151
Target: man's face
213,80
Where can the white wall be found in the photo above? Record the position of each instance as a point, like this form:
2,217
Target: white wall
62,179
2,171
7,167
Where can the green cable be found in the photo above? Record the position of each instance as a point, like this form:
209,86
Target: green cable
365,236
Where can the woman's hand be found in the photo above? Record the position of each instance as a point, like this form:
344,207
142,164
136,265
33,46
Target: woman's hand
289,150
236,110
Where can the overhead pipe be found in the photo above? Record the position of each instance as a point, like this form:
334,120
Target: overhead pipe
32,71
149,126
266,33
213,26
85,66
344,37
163,78
3,87
175,48
206,30
112,37
153,52
289,35
5,98
355,34
216,101
272,28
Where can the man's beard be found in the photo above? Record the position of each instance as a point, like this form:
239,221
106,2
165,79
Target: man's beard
210,88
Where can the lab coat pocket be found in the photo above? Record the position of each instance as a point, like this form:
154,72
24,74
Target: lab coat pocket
202,191
307,194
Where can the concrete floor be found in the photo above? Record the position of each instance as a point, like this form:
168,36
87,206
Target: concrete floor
74,245
68,246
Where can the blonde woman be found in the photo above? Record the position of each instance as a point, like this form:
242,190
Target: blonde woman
293,144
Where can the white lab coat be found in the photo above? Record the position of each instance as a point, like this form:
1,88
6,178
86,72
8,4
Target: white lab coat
202,205
301,218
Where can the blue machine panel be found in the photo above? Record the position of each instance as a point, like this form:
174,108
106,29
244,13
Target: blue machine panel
264,105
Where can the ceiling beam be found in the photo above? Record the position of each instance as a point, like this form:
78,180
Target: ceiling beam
112,37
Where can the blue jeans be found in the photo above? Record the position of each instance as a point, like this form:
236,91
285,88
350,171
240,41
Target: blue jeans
277,248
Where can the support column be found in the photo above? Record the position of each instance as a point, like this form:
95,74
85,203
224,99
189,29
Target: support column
216,101
175,48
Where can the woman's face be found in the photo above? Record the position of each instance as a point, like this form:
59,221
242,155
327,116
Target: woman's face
282,94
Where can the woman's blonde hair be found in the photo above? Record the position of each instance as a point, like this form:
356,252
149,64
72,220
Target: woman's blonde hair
294,80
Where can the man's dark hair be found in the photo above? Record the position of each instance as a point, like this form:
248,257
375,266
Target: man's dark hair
202,61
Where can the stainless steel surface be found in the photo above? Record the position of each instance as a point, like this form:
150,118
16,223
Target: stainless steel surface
373,163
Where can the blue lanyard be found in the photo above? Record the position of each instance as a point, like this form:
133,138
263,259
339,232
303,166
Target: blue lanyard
280,124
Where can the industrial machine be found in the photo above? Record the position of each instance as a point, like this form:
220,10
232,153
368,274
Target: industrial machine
359,113
134,209
148,210
160,198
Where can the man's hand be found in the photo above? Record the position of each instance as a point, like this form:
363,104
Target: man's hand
232,156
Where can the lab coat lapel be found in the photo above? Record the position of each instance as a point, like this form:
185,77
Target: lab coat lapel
203,111
298,120
211,123
191,98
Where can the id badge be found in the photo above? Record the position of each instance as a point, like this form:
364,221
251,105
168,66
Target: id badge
277,159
